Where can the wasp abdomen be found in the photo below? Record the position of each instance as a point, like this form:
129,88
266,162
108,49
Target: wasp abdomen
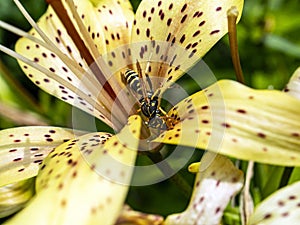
133,80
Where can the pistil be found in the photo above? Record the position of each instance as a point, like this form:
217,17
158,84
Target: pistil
232,15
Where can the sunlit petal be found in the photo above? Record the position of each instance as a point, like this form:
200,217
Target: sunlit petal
234,120
23,149
78,184
216,183
178,33
109,23
282,207
76,85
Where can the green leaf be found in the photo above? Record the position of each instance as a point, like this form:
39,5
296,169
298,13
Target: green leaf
282,45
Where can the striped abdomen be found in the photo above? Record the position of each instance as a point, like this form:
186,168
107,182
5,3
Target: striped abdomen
133,80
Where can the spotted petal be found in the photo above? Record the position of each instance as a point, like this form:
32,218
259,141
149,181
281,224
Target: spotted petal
85,180
105,21
177,34
108,22
282,207
23,149
234,120
217,181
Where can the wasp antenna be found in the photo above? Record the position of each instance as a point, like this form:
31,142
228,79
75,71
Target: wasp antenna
149,82
139,69
143,86
148,68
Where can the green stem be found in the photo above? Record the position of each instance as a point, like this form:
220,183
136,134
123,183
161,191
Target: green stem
165,168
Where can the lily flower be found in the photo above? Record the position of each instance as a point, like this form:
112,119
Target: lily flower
280,207
283,205
215,185
77,51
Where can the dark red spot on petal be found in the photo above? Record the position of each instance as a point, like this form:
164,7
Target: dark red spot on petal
214,32
280,203
241,111
17,159
226,125
261,135
218,209
267,216
292,197
183,18
183,8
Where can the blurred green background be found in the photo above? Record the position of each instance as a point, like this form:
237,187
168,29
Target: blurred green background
269,47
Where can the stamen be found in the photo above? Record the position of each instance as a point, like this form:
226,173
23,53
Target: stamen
73,33
58,79
143,87
93,49
84,51
146,73
89,41
90,77
33,23
76,69
90,82
232,15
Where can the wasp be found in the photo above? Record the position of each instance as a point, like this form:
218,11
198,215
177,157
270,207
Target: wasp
149,102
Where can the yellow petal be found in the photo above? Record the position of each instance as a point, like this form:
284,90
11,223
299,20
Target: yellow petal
177,33
282,207
14,197
104,20
217,181
85,180
110,23
23,149
234,120
131,217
